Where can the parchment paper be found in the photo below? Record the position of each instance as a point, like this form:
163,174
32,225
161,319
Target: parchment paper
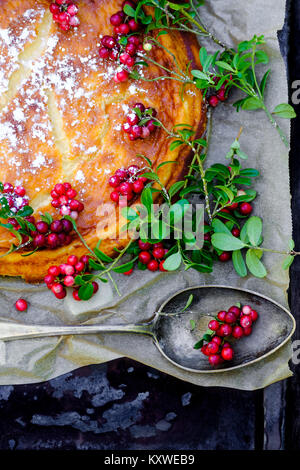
29,361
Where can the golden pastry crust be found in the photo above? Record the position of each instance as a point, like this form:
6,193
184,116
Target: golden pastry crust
61,114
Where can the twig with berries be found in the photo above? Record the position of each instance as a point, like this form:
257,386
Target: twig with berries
64,13
235,324
221,71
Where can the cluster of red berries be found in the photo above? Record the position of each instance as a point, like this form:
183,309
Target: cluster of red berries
151,255
236,322
126,183
139,125
50,235
62,276
221,94
112,48
63,198
64,13
15,196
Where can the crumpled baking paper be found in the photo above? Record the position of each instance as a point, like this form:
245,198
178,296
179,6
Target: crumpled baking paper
35,360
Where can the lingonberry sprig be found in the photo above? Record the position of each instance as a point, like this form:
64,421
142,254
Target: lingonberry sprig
220,71
63,198
127,183
60,277
139,123
123,47
32,233
234,324
64,13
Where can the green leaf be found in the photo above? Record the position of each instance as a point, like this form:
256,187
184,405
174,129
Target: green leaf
129,10
192,324
254,264
288,261
252,104
146,198
224,65
263,83
254,230
291,245
26,211
173,262
188,303
199,74
102,256
219,227
175,188
226,242
285,111
166,163
123,268
86,292
239,263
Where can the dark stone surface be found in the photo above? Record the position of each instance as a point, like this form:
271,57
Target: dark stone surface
125,405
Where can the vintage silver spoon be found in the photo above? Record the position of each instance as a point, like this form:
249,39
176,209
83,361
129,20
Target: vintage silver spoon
172,333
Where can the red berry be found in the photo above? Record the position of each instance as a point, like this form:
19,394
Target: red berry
245,208
121,76
224,330
237,332
230,317
95,287
233,206
52,240
69,270
212,347
161,266
54,8
117,18
54,271
225,256
8,188
254,315
114,196
227,354
234,309
124,28
67,225
72,9
121,173
213,325
140,106
49,279
158,253
56,226
138,186
132,118
217,339
84,259
246,310
126,188
57,289
104,52
20,191
144,245
245,321
69,281
136,131
42,227
128,273
152,265
221,95
21,305
215,359
72,260
133,25
130,49
213,101
79,267
144,257
235,232
76,295
222,315
59,189
247,331
39,241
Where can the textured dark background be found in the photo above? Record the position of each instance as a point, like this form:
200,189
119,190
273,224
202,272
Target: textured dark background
125,405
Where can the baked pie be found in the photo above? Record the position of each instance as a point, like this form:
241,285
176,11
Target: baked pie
62,114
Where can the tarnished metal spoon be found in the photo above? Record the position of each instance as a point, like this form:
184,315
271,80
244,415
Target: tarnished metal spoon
173,335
